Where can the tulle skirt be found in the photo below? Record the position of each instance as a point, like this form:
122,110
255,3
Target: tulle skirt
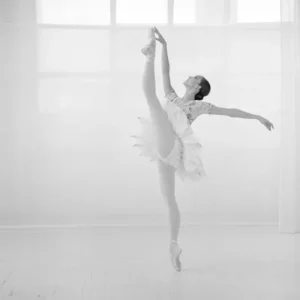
185,156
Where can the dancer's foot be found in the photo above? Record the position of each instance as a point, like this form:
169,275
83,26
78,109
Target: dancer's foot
175,252
149,49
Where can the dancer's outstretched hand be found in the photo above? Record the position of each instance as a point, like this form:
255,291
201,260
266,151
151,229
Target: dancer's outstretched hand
160,37
266,122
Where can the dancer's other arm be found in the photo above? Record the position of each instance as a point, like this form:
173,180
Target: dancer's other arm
164,63
237,113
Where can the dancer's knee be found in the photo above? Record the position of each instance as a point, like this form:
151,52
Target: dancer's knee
172,206
168,194
171,202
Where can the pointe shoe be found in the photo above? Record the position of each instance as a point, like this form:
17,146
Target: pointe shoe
175,253
149,49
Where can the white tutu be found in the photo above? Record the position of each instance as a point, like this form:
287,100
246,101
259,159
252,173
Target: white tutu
185,156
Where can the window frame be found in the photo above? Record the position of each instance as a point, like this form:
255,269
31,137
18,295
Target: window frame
230,23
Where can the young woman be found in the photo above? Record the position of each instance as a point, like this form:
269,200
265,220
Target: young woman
168,138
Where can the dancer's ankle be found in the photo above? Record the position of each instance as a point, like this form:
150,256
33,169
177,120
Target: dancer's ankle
151,33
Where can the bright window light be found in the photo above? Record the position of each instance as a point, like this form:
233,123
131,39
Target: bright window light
73,12
258,11
73,50
185,11
142,11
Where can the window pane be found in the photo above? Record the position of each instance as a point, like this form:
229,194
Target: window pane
204,53
254,51
83,12
185,11
58,95
127,50
264,88
199,11
73,50
258,11
142,11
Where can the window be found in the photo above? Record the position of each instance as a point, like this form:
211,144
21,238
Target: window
78,41
73,50
185,11
142,12
217,12
73,12
202,12
255,11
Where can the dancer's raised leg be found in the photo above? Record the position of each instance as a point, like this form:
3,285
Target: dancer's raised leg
164,129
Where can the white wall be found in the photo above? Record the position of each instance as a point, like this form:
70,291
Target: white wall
70,153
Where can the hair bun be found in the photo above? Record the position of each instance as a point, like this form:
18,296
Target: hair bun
204,91
199,96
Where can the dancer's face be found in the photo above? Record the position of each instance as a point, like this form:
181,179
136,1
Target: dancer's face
191,81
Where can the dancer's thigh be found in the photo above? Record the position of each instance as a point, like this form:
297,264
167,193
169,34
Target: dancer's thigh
165,132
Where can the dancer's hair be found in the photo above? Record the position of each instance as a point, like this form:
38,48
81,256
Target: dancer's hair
204,91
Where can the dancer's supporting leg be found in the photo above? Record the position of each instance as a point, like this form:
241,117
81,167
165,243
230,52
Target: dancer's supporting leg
166,140
167,180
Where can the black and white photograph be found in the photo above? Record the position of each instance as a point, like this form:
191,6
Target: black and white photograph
150,149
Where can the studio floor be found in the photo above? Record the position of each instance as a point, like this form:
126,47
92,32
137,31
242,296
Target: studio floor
219,262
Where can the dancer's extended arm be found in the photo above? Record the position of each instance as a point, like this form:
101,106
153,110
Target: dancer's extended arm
232,112
237,113
165,63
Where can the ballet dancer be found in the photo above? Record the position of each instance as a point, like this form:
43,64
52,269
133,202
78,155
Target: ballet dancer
167,137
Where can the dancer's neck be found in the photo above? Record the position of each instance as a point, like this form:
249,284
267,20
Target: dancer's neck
188,96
